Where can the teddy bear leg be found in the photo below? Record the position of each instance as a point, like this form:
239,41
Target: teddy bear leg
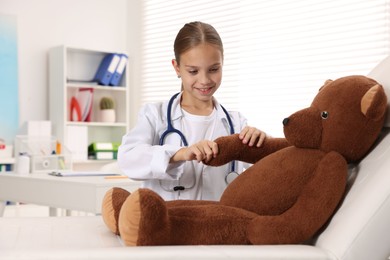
143,219
111,206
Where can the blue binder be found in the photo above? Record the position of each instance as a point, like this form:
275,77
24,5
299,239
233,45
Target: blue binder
107,68
117,76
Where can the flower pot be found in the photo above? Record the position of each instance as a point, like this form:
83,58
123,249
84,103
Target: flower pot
107,115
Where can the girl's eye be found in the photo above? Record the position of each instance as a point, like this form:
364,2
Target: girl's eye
192,72
214,70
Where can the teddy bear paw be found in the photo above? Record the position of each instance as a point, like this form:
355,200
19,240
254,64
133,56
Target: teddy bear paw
143,219
111,206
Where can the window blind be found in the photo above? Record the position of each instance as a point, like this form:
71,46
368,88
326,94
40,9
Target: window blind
277,53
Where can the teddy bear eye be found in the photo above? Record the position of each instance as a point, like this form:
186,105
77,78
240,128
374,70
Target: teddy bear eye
324,114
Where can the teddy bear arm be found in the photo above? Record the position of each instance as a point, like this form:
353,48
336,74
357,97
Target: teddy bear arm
231,148
311,211
269,146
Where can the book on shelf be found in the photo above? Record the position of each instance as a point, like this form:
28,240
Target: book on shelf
118,74
81,105
85,98
75,110
103,146
107,68
103,150
110,71
108,155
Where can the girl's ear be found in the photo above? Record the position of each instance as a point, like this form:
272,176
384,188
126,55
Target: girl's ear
176,67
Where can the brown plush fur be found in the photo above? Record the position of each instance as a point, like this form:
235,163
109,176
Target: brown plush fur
111,206
290,192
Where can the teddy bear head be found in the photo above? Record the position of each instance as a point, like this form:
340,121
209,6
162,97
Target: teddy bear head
346,116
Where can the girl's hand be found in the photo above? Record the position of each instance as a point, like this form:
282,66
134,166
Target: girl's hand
251,136
201,151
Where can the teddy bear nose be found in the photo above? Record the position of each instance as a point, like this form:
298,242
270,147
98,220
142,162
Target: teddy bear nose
285,121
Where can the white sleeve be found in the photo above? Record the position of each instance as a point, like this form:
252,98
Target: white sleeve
140,156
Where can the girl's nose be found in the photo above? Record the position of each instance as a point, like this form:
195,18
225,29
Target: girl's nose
204,79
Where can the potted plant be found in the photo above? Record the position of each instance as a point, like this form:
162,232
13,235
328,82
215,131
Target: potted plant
107,110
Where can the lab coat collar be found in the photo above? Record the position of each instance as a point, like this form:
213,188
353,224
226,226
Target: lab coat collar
221,113
177,112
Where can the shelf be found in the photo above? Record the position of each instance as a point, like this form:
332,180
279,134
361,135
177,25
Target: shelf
96,124
7,160
96,87
70,70
95,161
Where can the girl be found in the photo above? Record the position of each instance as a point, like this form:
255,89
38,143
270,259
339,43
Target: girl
170,162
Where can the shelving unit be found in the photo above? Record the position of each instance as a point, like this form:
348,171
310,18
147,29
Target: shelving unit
72,69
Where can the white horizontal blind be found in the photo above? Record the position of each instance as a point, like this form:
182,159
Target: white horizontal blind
163,20
277,53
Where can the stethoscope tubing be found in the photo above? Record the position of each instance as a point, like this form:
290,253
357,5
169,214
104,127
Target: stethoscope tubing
170,129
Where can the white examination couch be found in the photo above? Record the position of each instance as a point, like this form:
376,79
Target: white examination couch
360,229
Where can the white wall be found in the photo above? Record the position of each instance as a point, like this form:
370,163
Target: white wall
134,48
42,24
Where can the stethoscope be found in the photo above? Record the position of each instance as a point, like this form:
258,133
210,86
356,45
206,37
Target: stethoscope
229,177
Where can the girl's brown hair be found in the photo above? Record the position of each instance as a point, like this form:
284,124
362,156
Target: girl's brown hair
194,33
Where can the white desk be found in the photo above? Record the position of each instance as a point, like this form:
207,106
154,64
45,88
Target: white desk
71,193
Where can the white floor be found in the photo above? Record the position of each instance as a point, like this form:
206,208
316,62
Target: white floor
31,210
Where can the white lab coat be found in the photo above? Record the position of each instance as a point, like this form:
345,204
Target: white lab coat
142,158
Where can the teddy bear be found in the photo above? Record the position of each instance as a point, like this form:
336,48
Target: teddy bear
286,196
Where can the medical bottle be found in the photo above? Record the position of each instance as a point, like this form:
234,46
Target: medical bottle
23,164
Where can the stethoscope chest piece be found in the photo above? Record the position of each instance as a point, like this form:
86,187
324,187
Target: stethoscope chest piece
230,177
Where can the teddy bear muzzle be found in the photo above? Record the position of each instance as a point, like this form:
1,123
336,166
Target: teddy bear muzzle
303,129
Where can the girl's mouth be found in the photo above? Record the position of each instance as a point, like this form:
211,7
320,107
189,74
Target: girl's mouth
204,91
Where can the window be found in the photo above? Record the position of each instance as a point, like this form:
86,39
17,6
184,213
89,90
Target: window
277,53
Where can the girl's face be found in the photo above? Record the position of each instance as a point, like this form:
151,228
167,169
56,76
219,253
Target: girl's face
201,71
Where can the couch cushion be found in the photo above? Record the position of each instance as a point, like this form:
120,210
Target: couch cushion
381,74
360,229
88,238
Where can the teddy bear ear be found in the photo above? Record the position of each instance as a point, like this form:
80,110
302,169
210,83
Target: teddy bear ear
328,81
374,103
